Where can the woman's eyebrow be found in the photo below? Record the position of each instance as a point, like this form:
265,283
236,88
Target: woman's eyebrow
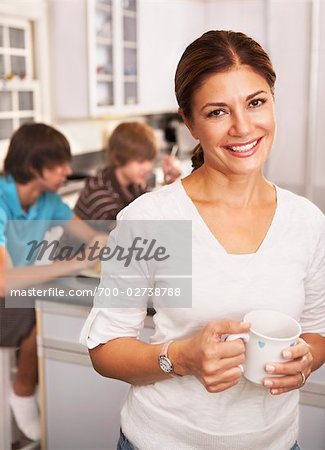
255,93
250,96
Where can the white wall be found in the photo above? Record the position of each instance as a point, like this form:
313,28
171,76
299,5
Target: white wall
319,191
246,16
289,51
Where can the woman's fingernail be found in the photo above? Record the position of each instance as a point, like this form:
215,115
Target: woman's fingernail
267,383
269,368
240,366
274,391
287,354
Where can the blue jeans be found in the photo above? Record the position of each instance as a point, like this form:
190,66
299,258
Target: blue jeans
124,444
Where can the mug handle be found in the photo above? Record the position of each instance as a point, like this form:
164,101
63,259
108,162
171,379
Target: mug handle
233,337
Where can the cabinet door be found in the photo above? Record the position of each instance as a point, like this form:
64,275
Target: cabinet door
19,101
113,56
82,408
69,58
165,29
101,55
94,67
130,52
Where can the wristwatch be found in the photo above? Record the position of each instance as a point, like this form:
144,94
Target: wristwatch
164,362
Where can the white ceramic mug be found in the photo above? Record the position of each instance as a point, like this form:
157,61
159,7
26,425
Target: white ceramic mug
270,333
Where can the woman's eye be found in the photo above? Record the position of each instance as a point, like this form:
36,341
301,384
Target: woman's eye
216,113
257,102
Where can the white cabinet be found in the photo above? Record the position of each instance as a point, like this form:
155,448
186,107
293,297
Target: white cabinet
100,55
165,29
95,67
19,91
121,56
112,50
80,410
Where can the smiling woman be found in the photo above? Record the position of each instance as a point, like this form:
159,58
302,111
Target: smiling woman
254,246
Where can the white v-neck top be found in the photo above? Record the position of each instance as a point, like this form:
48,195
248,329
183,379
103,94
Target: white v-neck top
286,274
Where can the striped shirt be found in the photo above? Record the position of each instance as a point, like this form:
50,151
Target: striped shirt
103,197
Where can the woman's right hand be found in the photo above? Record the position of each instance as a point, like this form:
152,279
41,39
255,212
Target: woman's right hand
214,363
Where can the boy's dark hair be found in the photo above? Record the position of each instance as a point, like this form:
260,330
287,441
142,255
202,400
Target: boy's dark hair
32,148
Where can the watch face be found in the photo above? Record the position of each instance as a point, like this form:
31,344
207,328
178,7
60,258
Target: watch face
165,364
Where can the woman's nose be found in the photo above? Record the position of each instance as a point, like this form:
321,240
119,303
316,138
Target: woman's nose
241,125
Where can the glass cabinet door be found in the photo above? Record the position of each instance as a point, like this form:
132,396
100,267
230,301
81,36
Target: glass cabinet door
130,69
18,89
14,51
113,56
104,53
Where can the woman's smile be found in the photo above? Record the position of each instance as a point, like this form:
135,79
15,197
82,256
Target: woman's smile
244,150
233,118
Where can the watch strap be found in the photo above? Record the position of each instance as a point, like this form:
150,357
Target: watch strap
164,350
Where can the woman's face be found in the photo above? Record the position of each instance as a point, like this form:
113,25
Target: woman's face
233,118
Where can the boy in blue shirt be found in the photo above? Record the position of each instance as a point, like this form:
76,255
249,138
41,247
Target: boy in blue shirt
36,165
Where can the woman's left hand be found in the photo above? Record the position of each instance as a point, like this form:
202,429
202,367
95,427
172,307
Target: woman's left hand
295,371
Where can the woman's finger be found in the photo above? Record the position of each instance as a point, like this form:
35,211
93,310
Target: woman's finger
291,381
289,368
298,384
222,381
297,351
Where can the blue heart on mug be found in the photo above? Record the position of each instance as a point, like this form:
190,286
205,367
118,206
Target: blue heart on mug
261,344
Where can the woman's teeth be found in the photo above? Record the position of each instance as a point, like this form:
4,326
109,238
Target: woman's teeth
243,148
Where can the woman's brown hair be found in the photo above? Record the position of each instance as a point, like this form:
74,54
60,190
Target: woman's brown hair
32,148
131,141
215,52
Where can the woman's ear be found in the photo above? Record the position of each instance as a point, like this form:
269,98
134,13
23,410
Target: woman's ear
187,123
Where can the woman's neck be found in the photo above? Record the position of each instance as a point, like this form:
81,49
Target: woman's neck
207,185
